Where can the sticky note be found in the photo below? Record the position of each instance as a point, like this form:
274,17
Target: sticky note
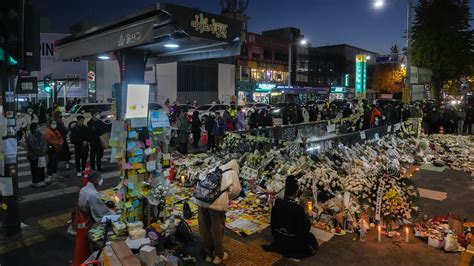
148,142
125,182
138,152
151,165
128,204
127,166
141,171
133,160
132,134
131,185
130,145
134,193
136,203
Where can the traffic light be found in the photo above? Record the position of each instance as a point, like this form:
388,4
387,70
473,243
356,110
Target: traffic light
47,83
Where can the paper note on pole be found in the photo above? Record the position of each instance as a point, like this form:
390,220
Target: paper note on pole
389,129
331,128
159,119
362,135
10,148
6,186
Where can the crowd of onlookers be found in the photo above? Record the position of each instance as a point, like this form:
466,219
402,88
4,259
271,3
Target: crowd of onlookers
48,147
447,117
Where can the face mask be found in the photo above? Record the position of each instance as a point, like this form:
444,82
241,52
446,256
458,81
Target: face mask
97,116
101,181
30,112
53,126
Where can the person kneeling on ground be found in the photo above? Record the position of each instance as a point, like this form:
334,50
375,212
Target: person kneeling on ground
291,226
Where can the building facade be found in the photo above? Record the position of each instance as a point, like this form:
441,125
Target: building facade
334,67
261,67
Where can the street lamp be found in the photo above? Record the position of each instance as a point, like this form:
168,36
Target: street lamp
302,42
380,3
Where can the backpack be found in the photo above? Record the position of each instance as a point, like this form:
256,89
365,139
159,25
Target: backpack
209,189
183,233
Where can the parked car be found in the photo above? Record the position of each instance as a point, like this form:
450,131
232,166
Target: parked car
318,103
278,108
87,110
248,108
207,109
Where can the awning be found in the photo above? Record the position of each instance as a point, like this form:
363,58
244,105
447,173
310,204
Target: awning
166,32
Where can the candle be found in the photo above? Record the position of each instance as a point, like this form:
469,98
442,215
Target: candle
310,208
182,179
379,238
407,235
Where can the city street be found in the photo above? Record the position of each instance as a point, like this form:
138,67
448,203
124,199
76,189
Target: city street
236,132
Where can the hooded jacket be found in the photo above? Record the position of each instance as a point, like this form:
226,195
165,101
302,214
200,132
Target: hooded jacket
230,184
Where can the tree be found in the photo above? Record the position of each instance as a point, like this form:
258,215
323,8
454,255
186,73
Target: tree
394,49
388,78
442,40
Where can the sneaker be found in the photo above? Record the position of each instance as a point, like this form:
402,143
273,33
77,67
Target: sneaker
35,185
48,179
79,174
218,260
209,259
42,183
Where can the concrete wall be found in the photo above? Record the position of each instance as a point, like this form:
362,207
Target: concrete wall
107,73
226,82
167,82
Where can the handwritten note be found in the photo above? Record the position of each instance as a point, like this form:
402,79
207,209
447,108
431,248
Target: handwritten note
133,134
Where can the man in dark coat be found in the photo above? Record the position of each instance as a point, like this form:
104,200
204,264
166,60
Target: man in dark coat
97,128
291,226
80,137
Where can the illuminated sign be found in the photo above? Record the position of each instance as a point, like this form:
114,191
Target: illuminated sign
361,75
201,24
338,90
265,87
346,80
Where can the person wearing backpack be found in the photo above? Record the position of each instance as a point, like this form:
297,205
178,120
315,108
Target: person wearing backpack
212,199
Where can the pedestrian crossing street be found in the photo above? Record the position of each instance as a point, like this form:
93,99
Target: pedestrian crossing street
67,186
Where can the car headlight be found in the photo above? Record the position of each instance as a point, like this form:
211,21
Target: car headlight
110,116
276,110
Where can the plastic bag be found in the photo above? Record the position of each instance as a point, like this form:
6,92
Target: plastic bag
451,243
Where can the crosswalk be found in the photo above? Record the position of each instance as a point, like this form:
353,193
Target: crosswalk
67,186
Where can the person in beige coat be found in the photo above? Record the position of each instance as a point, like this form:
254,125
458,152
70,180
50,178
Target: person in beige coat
211,216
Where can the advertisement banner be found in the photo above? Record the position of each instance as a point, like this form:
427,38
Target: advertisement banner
73,68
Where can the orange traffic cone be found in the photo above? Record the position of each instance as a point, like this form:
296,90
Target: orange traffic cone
87,172
441,130
81,246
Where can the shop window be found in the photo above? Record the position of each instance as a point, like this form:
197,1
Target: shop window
267,54
282,57
256,56
245,74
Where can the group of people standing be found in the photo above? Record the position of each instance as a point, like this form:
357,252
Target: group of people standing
45,149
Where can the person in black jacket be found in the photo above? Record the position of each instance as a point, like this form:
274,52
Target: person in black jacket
97,128
291,226
37,149
211,132
196,129
80,138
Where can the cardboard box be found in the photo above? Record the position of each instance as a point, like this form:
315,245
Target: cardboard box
124,254
434,242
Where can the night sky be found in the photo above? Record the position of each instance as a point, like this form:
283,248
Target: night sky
323,22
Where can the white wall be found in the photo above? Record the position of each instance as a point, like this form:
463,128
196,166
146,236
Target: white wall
226,82
107,73
167,82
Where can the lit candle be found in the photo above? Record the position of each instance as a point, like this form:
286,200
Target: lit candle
182,179
379,237
407,235
310,208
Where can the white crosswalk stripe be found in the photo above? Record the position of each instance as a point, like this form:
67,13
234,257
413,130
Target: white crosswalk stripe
104,176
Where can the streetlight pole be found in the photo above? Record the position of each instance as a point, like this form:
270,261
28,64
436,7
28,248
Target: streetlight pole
289,64
408,66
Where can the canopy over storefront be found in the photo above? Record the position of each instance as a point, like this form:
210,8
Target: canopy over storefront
163,32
